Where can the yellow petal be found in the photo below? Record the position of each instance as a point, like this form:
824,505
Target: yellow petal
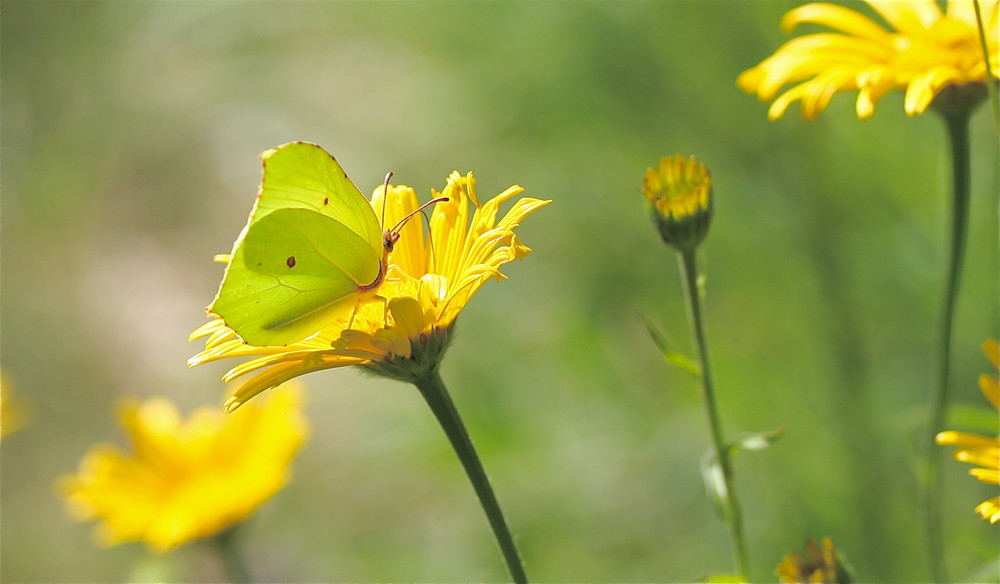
964,10
908,16
820,90
964,439
986,475
987,458
990,385
990,509
836,17
779,105
873,87
922,89
992,349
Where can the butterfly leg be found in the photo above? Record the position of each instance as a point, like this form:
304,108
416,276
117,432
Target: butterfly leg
354,312
385,311
375,298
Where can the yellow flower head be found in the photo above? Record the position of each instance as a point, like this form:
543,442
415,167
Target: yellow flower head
184,480
429,282
922,51
679,192
820,564
15,412
982,451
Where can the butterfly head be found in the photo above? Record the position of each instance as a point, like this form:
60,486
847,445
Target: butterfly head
391,236
389,239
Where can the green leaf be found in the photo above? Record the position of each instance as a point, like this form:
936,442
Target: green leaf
715,485
669,353
755,441
712,474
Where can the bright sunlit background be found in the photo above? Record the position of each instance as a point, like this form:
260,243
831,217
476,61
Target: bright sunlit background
130,137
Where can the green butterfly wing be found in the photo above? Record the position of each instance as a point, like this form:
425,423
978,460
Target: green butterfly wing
300,175
311,240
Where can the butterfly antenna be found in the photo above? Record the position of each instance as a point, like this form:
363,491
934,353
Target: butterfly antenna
385,195
403,221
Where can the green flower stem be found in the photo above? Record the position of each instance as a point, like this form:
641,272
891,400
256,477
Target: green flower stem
436,395
226,546
732,513
957,121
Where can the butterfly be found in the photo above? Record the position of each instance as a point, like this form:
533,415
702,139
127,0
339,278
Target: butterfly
311,249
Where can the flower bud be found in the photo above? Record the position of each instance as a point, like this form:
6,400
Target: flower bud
679,192
821,563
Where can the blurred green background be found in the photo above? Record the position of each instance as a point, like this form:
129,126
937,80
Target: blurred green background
130,136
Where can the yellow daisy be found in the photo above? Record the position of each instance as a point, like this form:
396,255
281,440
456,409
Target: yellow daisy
922,52
428,284
821,563
15,412
982,451
185,479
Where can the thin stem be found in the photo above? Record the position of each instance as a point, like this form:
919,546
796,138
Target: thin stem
733,515
958,133
226,544
436,395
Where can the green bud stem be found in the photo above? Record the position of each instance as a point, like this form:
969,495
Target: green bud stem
732,514
432,388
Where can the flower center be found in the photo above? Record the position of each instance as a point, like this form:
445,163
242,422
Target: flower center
680,194
948,43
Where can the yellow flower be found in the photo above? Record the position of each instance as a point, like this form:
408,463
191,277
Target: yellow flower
923,51
982,451
428,283
679,193
820,564
183,480
14,410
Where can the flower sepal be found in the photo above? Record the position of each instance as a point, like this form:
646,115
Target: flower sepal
959,100
426,352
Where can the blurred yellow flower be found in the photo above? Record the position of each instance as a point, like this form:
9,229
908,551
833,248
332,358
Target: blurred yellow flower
428,283
14,410
819,564
982,451
679,193
183,480
923,51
